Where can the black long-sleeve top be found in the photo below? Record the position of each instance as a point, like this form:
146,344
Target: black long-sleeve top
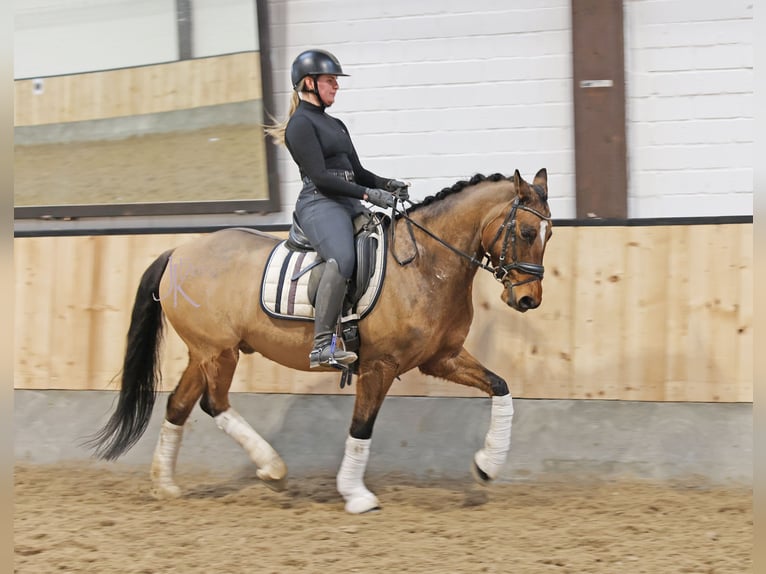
318,142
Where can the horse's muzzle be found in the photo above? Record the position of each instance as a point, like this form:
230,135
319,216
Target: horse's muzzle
526,303
521,302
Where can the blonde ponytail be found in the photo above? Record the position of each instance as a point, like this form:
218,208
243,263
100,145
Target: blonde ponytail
277,130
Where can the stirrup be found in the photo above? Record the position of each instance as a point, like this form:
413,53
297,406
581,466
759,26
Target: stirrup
338,360
328,355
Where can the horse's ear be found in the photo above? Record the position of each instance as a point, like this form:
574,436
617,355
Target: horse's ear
541,180
518,182
522,187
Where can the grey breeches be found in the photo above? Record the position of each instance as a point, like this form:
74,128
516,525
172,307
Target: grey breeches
328,224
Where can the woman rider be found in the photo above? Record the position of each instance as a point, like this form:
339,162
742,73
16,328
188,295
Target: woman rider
334,182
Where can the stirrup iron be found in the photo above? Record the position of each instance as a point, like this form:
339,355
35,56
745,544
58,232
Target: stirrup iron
324,355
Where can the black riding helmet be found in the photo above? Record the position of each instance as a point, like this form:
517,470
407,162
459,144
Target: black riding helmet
314,63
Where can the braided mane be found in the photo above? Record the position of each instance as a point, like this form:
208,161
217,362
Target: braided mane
456,188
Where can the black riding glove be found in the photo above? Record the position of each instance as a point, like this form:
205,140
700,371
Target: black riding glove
398,188
380,197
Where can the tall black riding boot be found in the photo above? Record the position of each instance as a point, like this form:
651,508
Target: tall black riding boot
327,308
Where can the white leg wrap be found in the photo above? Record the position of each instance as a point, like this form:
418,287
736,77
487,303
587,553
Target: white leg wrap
350,479
270,464
491,458
164,461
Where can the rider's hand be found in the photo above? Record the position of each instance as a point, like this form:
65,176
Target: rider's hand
398,188
395,185
380,197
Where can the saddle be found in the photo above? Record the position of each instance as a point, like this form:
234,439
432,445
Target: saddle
293,271
368,235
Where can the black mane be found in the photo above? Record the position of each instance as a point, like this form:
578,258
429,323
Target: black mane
456,188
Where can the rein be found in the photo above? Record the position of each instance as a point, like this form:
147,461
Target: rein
501,271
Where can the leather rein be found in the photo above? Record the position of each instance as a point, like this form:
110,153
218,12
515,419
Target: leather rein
502,269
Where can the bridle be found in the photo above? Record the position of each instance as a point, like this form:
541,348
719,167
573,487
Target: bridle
500,272
509,224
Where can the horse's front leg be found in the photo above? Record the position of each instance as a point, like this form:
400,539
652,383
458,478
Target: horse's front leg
371,388
464,369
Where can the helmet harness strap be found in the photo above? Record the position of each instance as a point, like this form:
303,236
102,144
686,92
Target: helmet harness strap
315,91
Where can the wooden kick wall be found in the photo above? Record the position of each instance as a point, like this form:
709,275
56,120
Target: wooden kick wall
656,313
141,90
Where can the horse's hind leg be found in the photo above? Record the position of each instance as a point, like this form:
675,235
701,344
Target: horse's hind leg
215,402
180,403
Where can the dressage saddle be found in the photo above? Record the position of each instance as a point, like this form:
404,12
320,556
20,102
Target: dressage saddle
366,234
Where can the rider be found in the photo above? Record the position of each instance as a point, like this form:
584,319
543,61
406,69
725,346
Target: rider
334,182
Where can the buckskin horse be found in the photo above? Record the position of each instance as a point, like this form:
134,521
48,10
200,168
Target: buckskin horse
421,319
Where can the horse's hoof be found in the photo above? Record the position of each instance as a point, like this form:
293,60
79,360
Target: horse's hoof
276,485
274,471
166,492
361,504
479,475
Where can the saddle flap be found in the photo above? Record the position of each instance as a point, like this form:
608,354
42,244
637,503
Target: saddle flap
366,248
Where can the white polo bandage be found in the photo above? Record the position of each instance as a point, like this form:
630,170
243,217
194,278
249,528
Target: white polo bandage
350,481
166,453
491,458
232,423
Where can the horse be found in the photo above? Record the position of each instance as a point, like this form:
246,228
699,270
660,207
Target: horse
421,320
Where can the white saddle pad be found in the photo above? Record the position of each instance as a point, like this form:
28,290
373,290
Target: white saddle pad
284,289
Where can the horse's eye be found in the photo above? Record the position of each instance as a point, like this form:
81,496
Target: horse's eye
529,234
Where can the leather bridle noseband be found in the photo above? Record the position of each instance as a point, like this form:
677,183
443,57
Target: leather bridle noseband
500,272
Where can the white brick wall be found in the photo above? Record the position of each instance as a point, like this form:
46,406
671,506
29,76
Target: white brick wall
441,89
689,75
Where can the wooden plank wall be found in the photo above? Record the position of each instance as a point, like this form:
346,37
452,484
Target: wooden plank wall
141,90
659,313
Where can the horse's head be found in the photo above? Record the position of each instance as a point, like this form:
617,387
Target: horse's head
515,242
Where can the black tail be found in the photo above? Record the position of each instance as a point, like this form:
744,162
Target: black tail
140,372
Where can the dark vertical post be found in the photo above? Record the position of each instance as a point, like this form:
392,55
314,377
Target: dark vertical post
599,109
267,97
184,22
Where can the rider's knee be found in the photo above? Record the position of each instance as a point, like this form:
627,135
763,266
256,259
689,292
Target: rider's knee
343,265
